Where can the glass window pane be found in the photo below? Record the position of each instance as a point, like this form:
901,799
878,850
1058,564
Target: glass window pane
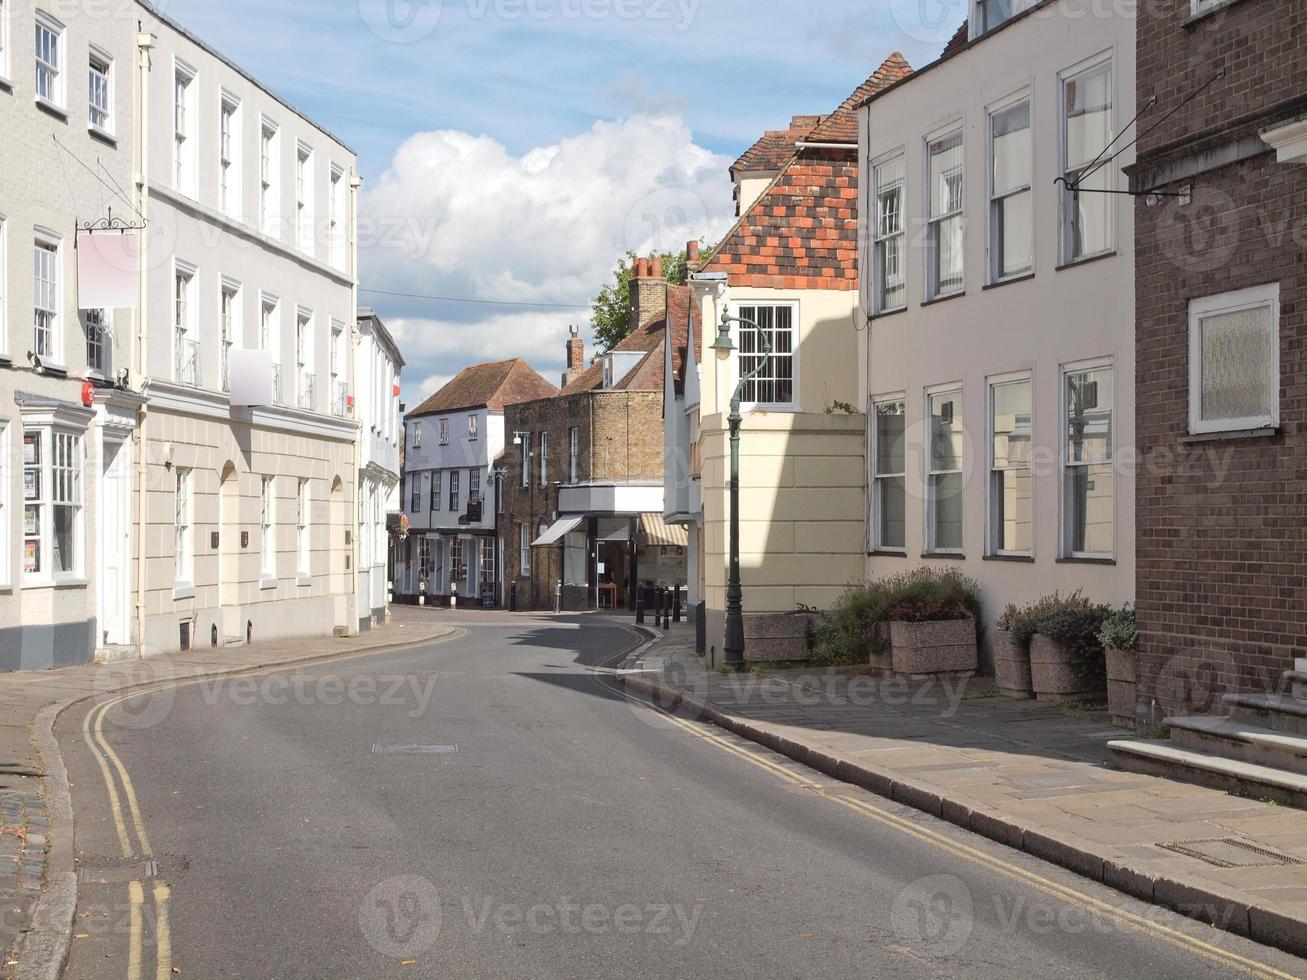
946,436
1012,495
946,503
892,522
1012,428
946,175
63,557
1012,149
1089,509
1088,107
947,251
890,427
1091,214
1089,401
1012,234
1237,356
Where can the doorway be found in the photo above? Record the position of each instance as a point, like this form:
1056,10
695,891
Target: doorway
115,544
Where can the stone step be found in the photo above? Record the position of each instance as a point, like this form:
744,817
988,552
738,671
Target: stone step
1238,741
115,654
1297,683
233,641
1278,712
1155,758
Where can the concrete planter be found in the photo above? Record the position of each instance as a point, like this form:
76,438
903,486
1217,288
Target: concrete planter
1121,680
1012,667
927,649
1054,675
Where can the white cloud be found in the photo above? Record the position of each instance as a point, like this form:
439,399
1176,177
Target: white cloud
459,215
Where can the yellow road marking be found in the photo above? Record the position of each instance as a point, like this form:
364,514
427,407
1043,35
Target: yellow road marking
163,933
1064,893
136,894
115,809
128,788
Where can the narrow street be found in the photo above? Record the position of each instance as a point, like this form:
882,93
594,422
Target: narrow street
493,805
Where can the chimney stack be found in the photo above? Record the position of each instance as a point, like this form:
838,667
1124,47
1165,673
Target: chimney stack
575,356
648,294
692,251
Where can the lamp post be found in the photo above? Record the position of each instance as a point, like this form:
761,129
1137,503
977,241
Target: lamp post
734,642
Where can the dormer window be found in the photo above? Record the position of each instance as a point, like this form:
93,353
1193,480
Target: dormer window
993,13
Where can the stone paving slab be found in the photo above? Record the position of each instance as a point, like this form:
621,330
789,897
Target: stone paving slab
1022,773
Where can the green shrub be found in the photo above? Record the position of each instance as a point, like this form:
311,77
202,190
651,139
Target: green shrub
851,633
1023,623
1077,630
1119,631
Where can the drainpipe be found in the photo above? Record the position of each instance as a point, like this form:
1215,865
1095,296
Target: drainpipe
144,44
356,182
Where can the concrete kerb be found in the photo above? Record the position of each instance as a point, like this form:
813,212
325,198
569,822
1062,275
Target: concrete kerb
42,952
1192,901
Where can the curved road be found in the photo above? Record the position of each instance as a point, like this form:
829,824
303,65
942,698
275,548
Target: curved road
492,806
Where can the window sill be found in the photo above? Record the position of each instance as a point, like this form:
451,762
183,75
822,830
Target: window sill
1231,435
47,106
49,367
182,591
1087,260
943,556
1087,561
71,582
304,581
103,135
6,85
267,582
943,299
888,313
1211,11
1019,559
886,553
1009,282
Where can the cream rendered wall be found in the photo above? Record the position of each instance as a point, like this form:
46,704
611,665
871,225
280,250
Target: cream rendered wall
802,475
1037,325
749,188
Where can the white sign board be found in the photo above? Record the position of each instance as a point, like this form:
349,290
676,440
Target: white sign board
108,273
251,378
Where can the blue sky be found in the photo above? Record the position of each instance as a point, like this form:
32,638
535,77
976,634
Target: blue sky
513,149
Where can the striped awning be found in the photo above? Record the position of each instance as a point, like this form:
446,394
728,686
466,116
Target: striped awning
659,533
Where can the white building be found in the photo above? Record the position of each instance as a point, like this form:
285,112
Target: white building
999,378
249,501
66,452
377,368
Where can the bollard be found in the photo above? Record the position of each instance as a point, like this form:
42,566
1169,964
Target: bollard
453,595
639,606
676,604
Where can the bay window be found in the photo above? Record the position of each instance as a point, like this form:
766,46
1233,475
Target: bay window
1087,132
945,232
52,503
1011,496
888,276
775,386
945,486
1010,206
1088,498
1234,361
888,475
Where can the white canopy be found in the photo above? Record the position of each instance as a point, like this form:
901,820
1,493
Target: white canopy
556,533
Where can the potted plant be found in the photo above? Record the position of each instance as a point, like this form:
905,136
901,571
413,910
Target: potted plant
1119,637
1066,659
1011,659
932,620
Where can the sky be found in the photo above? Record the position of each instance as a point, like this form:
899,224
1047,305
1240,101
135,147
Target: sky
514,150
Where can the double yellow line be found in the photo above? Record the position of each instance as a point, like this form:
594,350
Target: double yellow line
132,847
1122,917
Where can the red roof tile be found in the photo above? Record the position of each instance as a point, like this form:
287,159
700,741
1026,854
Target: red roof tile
490,386
841,126
775,148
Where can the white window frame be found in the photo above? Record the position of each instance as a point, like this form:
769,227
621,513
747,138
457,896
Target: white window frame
573,454
524,549
883,239
417,434
1265,297
415,493
184,529
4,280
185,327
437,490
931,524
473,428
743,308
270,337
6,483
306,377
100,82
269,178
455,491
230,327
230,155
55,70
45,502
1064,530
337,208
443,425
877,478
49,242
268,531
524,446
993,533
1067,199
980,10
185,86
98,322
935,223
335,366
993,244
304,191
544,460
304,533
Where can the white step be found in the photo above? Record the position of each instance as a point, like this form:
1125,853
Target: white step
1279,712
116,654
1164,759
1238,741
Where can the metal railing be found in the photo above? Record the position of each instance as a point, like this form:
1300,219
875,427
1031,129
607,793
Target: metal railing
276,384
339,400
188,362
307,390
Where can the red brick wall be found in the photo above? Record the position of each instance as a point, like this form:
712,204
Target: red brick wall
1222,544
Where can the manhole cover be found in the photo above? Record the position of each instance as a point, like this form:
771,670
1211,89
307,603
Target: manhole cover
116,872
414,749
1226,852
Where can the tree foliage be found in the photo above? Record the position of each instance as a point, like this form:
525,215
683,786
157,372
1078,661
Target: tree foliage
612,307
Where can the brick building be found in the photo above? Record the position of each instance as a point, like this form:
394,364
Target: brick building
582,499
1222,359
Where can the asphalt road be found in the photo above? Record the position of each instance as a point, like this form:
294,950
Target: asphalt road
493,807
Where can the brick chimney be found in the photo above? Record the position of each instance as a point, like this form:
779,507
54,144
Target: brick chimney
692,252
575,357
648,294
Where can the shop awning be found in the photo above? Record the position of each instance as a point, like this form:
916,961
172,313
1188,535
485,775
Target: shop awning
561,528
659,533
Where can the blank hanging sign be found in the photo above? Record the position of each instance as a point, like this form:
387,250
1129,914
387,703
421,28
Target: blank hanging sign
108,271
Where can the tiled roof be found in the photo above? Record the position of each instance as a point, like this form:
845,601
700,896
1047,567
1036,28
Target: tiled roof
490,386
841,126
775,147
958,41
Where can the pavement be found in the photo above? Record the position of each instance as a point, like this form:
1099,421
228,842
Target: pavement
1028,775
37,884
495,805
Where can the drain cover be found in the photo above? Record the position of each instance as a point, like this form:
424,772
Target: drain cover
1226,852
116,872
414,749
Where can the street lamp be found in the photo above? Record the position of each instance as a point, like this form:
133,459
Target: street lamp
734,644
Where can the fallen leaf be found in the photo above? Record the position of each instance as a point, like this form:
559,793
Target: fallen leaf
176,969
81,935
409,963
805,935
